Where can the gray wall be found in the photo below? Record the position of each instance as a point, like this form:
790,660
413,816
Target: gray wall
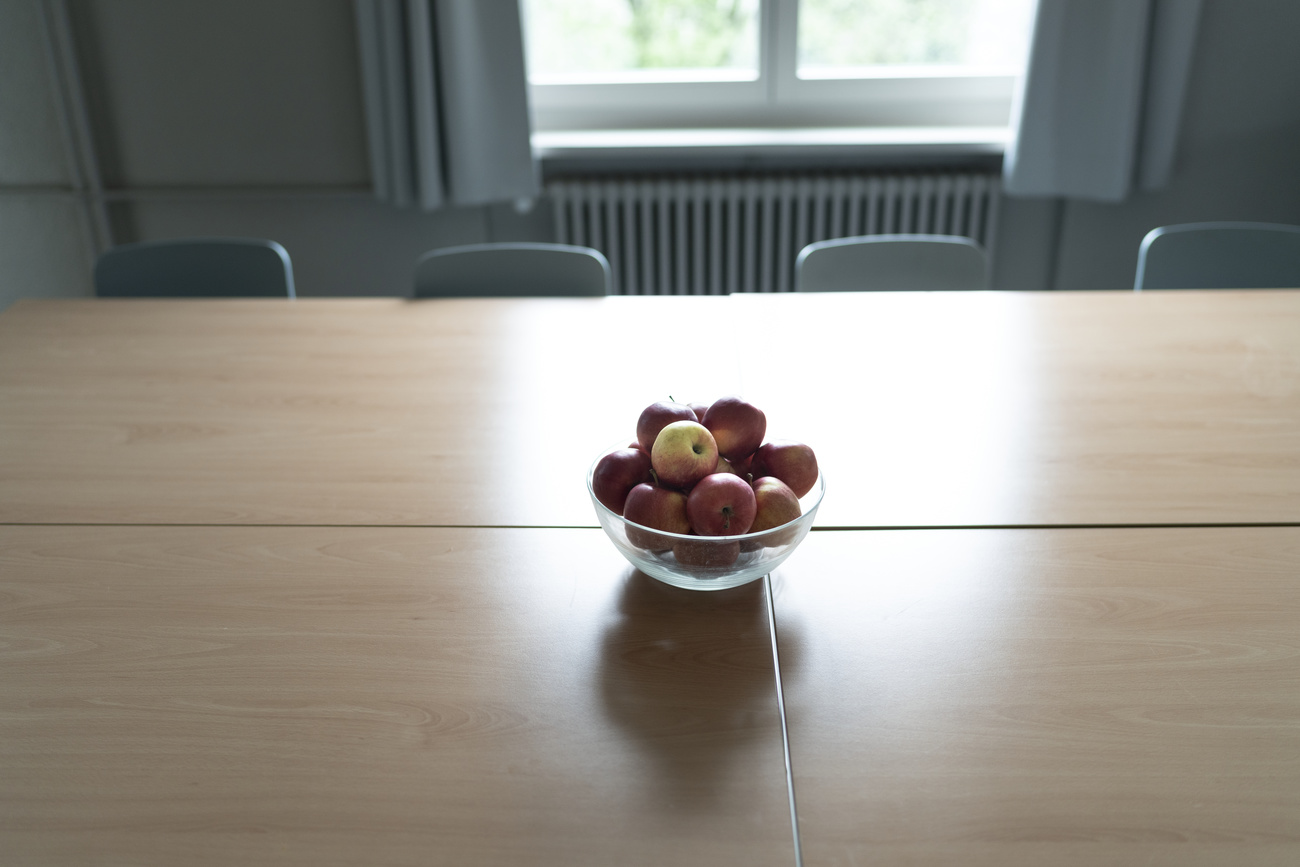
44,247
244,117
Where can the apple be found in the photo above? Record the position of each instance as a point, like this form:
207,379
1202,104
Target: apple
791,462
737,425
721,505
683,453
616,474
777,505
656,508
742,467
700,409
706,553
656,417
776,502
724,466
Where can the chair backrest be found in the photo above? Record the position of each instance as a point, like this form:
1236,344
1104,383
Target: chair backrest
512,270
891,262
1220,256
195,268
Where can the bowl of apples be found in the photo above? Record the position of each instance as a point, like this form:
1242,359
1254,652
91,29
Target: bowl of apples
700,499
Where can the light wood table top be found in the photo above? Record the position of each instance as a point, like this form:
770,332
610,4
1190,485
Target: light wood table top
378,696
301,695
926,409
368,691
1039,409
1027,697
485,412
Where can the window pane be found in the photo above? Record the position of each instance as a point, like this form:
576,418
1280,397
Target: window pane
838,38
641,40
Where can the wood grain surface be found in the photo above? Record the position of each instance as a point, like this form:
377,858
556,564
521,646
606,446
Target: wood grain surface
926,409
1027,697
343,411
381,696
1012,409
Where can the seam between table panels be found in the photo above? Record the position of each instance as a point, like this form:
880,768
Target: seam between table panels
785,731
848,528
284,526
1153,525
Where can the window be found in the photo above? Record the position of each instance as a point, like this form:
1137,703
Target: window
680,64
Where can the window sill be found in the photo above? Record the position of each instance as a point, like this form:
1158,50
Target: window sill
610,151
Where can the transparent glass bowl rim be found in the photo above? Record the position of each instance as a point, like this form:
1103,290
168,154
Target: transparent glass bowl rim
819,488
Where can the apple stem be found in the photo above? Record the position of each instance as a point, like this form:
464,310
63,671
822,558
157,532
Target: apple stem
749,477
654,477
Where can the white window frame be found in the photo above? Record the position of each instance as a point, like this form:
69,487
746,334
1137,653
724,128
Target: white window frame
777,97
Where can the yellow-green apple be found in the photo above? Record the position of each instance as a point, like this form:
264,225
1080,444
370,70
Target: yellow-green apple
656,417
721,505
659,509
683,453
737,425
791,462
706,553
617,473
777,505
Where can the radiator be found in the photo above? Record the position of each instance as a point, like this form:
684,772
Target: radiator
716,235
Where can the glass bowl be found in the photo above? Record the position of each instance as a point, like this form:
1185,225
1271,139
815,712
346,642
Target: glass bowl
656,553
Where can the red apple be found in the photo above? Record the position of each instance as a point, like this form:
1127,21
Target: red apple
683,453
742,467
699,409
791,462
737,425
656,508
777,505
656,417
616,474
721,505
706,553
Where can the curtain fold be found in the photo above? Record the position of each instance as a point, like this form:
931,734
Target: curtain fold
446,98
1099,107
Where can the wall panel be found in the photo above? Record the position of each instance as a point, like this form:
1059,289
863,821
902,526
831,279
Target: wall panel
31,146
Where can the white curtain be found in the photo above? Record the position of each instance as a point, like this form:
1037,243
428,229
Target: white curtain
1100,104
446,99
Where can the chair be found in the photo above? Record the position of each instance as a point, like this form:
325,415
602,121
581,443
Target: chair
1219,256
195,268
512,270
898,262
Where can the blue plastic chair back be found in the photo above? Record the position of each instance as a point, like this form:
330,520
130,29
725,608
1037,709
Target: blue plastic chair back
512,270
891,262
1220,256
195,268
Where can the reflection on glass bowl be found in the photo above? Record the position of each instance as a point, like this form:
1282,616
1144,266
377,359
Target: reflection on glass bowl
706,562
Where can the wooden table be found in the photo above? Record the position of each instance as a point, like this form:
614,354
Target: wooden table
1048,696
927,409
308,583
1040,409
206,695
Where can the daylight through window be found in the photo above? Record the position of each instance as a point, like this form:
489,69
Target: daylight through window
611,64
